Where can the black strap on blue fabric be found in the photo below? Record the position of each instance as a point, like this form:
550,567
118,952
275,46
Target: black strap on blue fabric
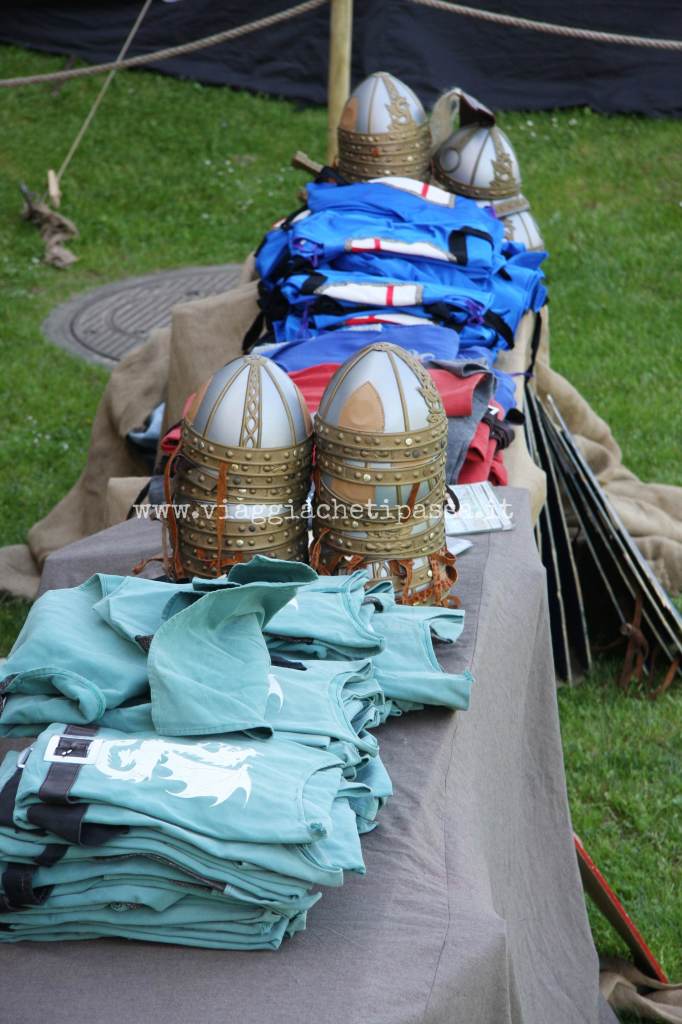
58,811
495,321
312,283
288,639
330,176
73,743
8,796
67,823
478,233
281,662
17,880
50,854
457,242
18,892
446,313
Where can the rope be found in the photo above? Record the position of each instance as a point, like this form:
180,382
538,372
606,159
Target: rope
100,96
545,26
169,52
310,5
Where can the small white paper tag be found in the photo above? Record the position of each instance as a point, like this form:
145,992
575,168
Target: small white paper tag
480,511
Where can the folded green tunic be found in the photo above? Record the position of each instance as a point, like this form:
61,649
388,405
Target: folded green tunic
407,668
266,791
67,663
195,652
324,698
327,619
269,870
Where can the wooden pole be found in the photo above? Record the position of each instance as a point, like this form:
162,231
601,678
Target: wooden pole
338,82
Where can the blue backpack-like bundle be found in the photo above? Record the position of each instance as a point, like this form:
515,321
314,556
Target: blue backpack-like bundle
396,249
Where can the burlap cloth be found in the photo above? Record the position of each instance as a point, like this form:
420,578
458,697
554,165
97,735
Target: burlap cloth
207,333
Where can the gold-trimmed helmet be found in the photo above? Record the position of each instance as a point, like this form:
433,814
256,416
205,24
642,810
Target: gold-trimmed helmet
381,440
519,223
241,471
478,159
383,132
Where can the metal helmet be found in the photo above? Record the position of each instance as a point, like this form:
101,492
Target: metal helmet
381,439
477,160
383,131
242,471
519,223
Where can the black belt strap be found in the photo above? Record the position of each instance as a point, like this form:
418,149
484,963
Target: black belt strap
50,855
457,243
18,891
8,796
279,661
495,321
17,880
67,822
74,741
500,431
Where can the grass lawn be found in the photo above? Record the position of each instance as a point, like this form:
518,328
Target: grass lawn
173,173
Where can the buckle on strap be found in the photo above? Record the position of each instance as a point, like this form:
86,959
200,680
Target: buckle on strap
72,750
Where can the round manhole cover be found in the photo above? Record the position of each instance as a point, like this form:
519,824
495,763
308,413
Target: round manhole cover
105,324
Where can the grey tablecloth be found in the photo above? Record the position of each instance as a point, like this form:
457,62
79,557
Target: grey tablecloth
471,911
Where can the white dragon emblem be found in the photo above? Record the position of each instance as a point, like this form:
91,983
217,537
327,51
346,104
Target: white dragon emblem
211,769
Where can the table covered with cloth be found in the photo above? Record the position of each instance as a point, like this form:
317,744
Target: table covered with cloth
471,911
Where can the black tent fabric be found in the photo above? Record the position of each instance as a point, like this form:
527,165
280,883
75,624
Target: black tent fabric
431,50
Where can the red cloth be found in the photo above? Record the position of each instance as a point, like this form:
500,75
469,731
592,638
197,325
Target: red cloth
498,475
484,460
313,380
457,393
171,439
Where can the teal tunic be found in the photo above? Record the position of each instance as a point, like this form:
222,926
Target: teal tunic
326,619
407,668
196,651
265,791
224,781
367,806
67,664
325,698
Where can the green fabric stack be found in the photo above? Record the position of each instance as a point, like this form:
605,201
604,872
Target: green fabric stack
213,759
